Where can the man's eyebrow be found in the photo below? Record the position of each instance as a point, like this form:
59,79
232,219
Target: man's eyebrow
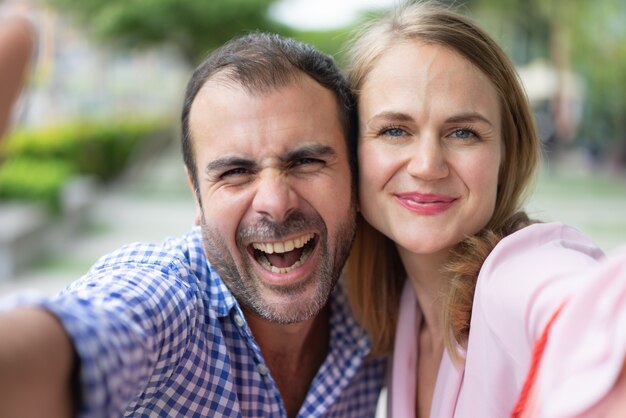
228,162
308,151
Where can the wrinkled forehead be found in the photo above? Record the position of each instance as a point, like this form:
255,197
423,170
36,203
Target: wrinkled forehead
302,111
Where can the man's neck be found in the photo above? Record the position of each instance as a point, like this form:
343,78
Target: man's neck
293,353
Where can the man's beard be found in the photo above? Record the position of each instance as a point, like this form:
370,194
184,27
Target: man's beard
241,278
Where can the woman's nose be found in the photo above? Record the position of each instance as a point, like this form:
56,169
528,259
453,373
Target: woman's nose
428,160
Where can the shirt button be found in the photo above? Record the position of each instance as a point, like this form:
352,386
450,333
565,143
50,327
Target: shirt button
262,368
238,320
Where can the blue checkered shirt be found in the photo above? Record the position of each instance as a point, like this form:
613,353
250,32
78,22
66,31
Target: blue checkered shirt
159,335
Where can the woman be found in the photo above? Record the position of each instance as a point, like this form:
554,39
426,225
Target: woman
444,256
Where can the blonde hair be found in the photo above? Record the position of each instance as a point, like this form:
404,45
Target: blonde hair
375,275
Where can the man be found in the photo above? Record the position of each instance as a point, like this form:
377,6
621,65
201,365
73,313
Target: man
233,319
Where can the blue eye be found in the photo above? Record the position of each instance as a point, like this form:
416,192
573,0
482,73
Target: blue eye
393,131
464,134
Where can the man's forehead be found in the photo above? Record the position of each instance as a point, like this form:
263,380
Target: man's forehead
255,85
226,118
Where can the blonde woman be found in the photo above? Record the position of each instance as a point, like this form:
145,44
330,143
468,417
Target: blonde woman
448,273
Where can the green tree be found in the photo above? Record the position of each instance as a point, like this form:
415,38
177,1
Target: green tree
193,27
597,35
585,37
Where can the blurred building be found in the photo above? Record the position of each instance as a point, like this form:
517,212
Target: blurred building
557,99
75,77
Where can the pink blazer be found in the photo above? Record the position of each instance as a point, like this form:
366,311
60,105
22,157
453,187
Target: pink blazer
525,279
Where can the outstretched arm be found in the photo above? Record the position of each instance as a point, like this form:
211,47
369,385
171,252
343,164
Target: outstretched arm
37,364
616,402
583,369
16,49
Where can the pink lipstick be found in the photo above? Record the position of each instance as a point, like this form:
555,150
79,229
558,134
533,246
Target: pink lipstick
425,203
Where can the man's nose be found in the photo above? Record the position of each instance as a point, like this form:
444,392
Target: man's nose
275,197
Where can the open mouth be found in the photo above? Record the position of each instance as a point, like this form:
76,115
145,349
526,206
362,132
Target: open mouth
284,256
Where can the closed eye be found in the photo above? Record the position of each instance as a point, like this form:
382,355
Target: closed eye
307,161
306,165
230,168
234,172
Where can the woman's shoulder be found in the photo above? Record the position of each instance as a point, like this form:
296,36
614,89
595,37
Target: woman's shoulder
544,248
530,273
557,233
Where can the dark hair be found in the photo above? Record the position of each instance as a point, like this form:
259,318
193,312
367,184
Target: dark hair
262,62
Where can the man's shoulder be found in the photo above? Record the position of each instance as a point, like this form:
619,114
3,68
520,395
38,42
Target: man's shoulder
178,262
184,252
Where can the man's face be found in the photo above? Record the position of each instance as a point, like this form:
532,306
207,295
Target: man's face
274,185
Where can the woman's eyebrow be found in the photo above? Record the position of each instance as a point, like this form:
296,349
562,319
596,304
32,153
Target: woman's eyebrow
390,115
468,117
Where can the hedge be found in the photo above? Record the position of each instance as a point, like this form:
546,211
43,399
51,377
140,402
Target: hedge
34,164
34,180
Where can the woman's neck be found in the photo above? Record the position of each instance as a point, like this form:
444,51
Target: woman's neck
429,285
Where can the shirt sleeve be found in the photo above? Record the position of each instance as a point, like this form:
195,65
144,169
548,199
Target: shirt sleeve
586,347
129,325
527,277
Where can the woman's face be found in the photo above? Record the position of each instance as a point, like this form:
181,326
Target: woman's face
430,147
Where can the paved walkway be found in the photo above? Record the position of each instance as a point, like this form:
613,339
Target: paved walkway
150,203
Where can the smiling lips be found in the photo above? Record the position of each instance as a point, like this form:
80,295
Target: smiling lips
284,256
425,203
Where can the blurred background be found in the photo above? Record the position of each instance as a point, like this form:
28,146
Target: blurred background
89,159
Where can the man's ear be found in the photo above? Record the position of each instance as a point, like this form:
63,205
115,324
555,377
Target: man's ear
196,197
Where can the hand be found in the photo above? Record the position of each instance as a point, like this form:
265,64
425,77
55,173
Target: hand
613,404
37,362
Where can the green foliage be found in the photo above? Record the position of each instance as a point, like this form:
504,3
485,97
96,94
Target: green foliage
598,37
36,163
193,27
330,42
335,41
586,37
34,179
92,148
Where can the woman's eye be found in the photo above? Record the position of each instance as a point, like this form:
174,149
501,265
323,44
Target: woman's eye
464,134
393,131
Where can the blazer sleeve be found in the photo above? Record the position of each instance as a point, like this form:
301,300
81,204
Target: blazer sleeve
586,347
527,277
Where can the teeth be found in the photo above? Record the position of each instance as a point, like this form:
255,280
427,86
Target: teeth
266,264
284,246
